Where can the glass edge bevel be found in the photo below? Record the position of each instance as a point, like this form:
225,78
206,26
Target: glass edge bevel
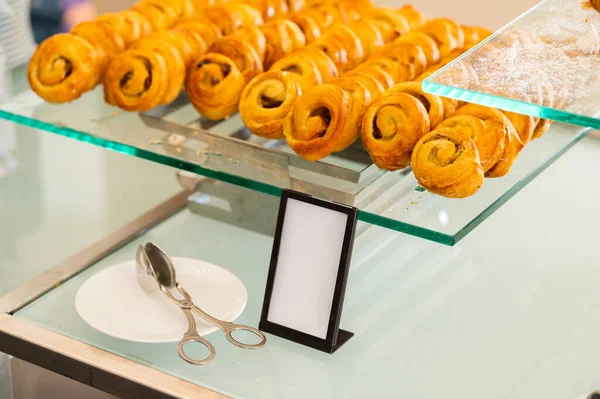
126,149
509,104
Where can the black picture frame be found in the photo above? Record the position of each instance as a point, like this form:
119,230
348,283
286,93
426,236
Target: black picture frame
335,336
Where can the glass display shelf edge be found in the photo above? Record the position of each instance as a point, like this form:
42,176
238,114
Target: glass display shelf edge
544,63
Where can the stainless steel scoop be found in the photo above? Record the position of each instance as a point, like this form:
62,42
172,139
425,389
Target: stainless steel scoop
155,271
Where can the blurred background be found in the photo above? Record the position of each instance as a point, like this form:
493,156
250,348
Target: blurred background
51,16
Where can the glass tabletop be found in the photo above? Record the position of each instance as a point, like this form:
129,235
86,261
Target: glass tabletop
175,135
510,312
545,63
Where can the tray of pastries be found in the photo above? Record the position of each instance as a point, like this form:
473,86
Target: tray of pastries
321,75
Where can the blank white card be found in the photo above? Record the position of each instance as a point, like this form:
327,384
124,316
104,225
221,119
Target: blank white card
309,259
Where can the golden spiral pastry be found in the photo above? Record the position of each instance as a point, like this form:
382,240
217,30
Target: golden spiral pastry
324,14
308,25
446,162
283,37
266,102
315,127
304,68
349,41
161,14
214,86
195,42
230,16
273,9
359,99
167,48
489,142
176,38
207,30
326,66
432,103
388,65
391,23
391,127
542,127
523,124
369,35
107,42
253,36
63,67
128,24
410,59
374,72
471,36
335,50
137,81
425,43
241,53
447,34
414,18
495,119
372,85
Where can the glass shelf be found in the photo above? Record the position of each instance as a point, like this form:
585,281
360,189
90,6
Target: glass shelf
174,135
545,63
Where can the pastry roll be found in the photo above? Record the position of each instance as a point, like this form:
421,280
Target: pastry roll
410,59
391,24
349,41
107,42
214,86
334,49
541,127
129,25
266,102
64,67
196,44
230,16
308,25
241,53
167,47
489,142
425,43
391,67
161,15
471,36
446,162
324,14
315,127
359,98
391,127
414,18
447,34
207,30
253,36
523,124
369,35
304,68
137,80
180,40
283,37
432,103
376,73
325,65
495,119
372,85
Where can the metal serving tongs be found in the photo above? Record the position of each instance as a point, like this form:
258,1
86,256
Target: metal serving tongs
156,271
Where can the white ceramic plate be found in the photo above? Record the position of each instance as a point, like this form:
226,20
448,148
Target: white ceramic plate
112,301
